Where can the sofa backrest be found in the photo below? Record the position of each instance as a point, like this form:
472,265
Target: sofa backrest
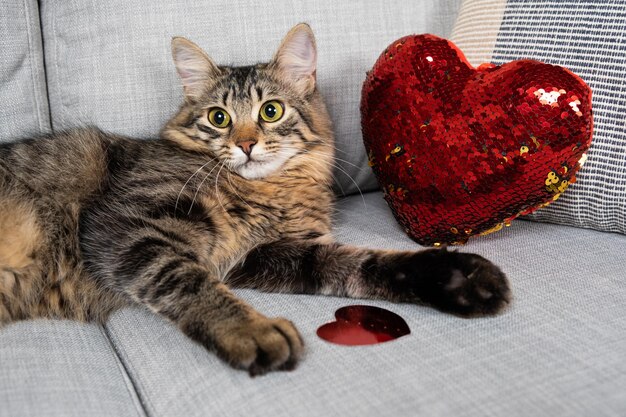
108,63
23,101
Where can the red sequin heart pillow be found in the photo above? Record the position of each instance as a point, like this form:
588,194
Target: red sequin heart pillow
460,151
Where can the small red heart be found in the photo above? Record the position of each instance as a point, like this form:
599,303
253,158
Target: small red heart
460,151
363,325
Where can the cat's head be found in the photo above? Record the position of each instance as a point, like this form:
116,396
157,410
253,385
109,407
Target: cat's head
256,121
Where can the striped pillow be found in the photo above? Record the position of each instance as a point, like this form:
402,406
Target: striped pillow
588,37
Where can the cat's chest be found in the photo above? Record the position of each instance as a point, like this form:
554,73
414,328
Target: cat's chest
304,213
246,220
266,213
276,210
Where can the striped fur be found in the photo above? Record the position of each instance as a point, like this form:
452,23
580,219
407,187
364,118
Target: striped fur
91,221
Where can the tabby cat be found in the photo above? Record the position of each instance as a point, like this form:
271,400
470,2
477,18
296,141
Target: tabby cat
236,192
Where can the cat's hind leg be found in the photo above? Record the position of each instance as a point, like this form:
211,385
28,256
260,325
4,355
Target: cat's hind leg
20,239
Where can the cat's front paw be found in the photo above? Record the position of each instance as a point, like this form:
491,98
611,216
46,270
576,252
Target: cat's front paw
260,344
463,284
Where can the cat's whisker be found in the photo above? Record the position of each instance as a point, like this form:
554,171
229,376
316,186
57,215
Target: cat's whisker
314,154
349,163
334,147
354,182
199,187
311,151
285,152
217,194
347,175
187,182
336,180
232,187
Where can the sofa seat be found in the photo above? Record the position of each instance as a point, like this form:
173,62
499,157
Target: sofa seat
557,351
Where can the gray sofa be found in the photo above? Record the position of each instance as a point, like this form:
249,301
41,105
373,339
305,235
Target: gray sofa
560,350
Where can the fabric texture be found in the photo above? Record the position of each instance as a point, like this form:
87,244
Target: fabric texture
454,157
109,62
62,369
586,36
558,351
23,101
477,44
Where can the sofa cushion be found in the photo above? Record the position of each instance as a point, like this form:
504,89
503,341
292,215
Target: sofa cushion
24,105
62,369
109,62
585,36
557,351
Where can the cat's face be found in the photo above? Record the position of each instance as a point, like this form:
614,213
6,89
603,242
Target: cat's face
257,120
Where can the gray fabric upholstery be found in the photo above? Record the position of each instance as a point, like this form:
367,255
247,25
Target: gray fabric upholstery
558,351
586,36
62,369
23,101
109,62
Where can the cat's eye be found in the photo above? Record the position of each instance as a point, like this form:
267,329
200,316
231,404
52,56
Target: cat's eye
219,117
272,111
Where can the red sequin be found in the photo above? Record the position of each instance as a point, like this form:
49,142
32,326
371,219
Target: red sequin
460,151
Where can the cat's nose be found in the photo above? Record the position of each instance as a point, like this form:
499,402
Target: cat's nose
246,146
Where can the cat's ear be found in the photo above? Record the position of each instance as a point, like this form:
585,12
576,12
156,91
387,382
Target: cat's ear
296,57
194,67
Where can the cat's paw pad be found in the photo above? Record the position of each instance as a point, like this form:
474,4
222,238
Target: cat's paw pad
463,284
473,286
260,345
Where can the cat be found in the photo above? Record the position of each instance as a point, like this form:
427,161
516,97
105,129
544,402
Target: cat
235,193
